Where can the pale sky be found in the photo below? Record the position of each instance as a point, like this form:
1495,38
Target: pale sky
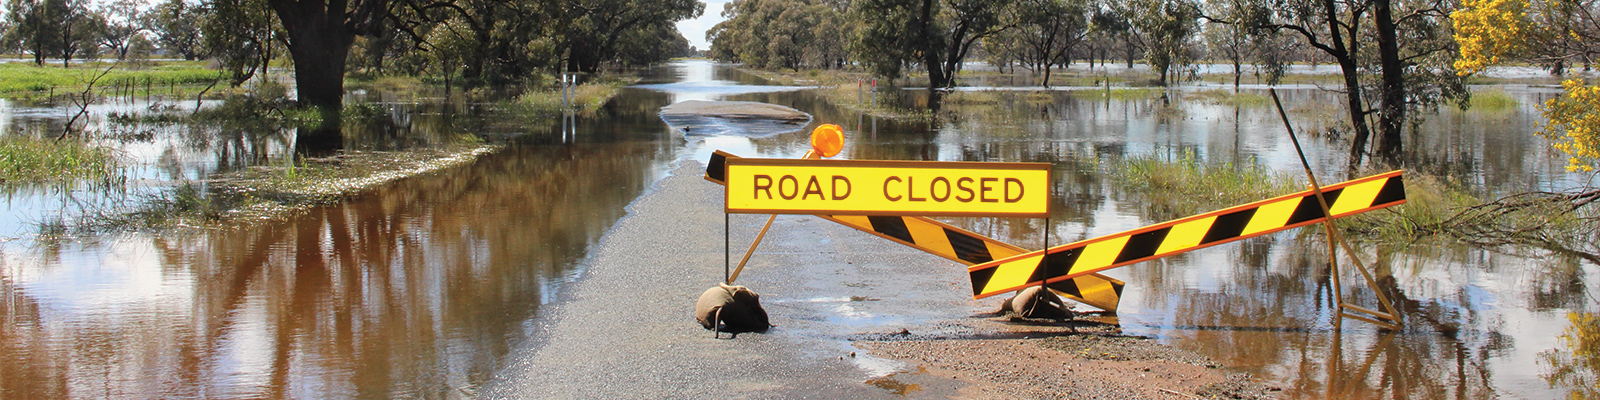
695,29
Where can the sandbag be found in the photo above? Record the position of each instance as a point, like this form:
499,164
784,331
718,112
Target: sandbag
736,308
1037,302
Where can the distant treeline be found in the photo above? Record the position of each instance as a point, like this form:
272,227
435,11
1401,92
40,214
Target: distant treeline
1397,57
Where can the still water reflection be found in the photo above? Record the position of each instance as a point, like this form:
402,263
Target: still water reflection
419,289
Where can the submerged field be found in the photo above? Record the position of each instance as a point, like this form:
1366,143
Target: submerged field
430,284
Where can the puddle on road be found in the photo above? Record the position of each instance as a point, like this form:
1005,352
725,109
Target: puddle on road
896,387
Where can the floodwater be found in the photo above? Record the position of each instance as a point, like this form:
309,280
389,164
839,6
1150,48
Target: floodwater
421,288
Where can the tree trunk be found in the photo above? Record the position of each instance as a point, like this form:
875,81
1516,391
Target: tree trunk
1046,75
1392,111
1346,56
1236,73
318,42
1131,51
1358,122
931,59
319,72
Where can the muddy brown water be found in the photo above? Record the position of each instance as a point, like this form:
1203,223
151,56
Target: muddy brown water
421,288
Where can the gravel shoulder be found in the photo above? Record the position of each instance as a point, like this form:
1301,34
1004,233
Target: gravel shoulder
1078,360
856,317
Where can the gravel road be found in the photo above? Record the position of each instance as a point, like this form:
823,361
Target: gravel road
856,317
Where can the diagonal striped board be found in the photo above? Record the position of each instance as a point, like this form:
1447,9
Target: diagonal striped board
956,244
1200,231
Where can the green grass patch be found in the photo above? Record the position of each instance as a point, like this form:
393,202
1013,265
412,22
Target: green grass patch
387,84
1494,100
1119,93
18,78
1229,98
988,97
35,160
1431,202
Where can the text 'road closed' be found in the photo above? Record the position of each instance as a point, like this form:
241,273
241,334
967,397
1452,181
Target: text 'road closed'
887,187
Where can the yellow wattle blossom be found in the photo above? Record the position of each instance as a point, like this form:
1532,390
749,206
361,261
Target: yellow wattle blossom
1574,123
1486,30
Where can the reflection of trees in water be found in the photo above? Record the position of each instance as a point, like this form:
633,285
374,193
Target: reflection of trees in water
416,289
1576,365
25,367
1268,309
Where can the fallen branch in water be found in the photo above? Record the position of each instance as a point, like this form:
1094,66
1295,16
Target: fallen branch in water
1562,222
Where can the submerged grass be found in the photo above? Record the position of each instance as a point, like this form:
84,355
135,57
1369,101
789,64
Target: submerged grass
814,77
848,89
1430,202
1494,100
38,160
265,193
1230,98
987,97
1186,185
1119,93
586,98
850,97
387,83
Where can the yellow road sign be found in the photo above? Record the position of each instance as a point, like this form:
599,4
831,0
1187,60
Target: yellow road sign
781,186
953,243
1255,219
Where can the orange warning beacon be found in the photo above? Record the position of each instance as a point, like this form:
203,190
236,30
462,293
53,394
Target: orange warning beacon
827,140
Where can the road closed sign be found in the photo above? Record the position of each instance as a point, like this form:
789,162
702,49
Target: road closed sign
924,188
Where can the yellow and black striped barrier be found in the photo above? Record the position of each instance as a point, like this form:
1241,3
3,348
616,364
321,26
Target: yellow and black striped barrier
1066,262
954,243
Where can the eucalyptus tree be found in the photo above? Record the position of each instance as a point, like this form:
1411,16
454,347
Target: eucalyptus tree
1169,27
1238,39
176,24
592,29
33,28
748,35
120,21
319,34
833,30
240,35
1230,40
781,34
79,29
1050,30
7,43
1411,52
1563,33
60,29
935,34
660,43
1111,25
